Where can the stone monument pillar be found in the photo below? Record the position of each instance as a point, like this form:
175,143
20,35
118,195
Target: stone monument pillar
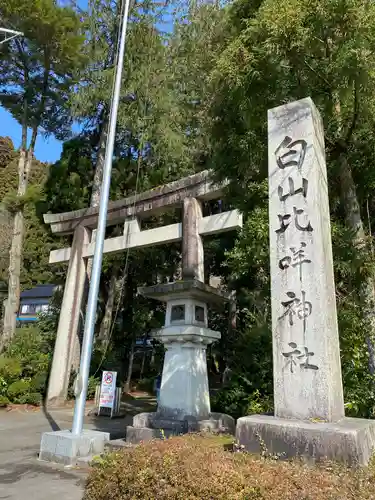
306,353
184,403
308,395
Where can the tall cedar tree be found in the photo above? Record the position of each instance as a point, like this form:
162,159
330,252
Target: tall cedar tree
35,79
283,51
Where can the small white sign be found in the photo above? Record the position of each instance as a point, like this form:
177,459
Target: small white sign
108,390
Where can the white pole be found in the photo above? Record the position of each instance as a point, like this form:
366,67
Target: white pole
9,34
88,336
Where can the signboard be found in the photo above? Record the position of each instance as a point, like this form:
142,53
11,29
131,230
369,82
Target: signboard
108,390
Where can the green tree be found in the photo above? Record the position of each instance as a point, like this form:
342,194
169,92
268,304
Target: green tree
35,77
278,52
159,138
38,241
7,152
197,40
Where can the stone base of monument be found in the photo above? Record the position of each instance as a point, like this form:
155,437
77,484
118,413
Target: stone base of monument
65,448
350,440
148,426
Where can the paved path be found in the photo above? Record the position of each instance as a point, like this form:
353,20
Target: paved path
22,476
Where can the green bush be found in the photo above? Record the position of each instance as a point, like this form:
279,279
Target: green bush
91,388
39,383
238,400
4,401
29,347
194,467
3,386
93,383
18,390
259,404
32,398
24,367
10,369
23,392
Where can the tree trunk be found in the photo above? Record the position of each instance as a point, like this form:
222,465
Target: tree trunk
105,326
152,358
232,325
354,222
144,354
130,368
128,323
2,309
15,253
98,176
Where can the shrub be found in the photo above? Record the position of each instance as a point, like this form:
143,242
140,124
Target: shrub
93,383
91,388
23,392
238,402
29,348
256,403
10,369
24,367
197,468
3,386
4,401
32,398
18,390
39,383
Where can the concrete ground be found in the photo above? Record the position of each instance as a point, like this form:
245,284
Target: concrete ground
23,477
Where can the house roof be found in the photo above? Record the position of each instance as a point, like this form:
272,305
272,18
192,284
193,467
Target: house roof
38,291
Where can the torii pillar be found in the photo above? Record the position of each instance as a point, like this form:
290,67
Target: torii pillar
67,341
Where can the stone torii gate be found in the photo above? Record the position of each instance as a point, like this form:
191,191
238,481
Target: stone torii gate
188,193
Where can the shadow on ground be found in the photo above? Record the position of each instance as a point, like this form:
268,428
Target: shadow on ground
130,406
34,468
52,422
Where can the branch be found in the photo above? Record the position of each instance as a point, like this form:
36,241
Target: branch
47,64
22,55
316,73
24,123
355,114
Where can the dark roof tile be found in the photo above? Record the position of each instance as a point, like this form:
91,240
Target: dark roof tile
38,291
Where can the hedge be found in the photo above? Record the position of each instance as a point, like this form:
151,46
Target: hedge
199,468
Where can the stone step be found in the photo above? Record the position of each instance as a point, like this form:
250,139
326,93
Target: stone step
165,424
158,425
155,421
136,435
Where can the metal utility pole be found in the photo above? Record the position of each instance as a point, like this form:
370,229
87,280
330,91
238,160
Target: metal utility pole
88,336
8,35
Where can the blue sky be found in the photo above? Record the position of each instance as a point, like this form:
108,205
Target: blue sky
46,149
